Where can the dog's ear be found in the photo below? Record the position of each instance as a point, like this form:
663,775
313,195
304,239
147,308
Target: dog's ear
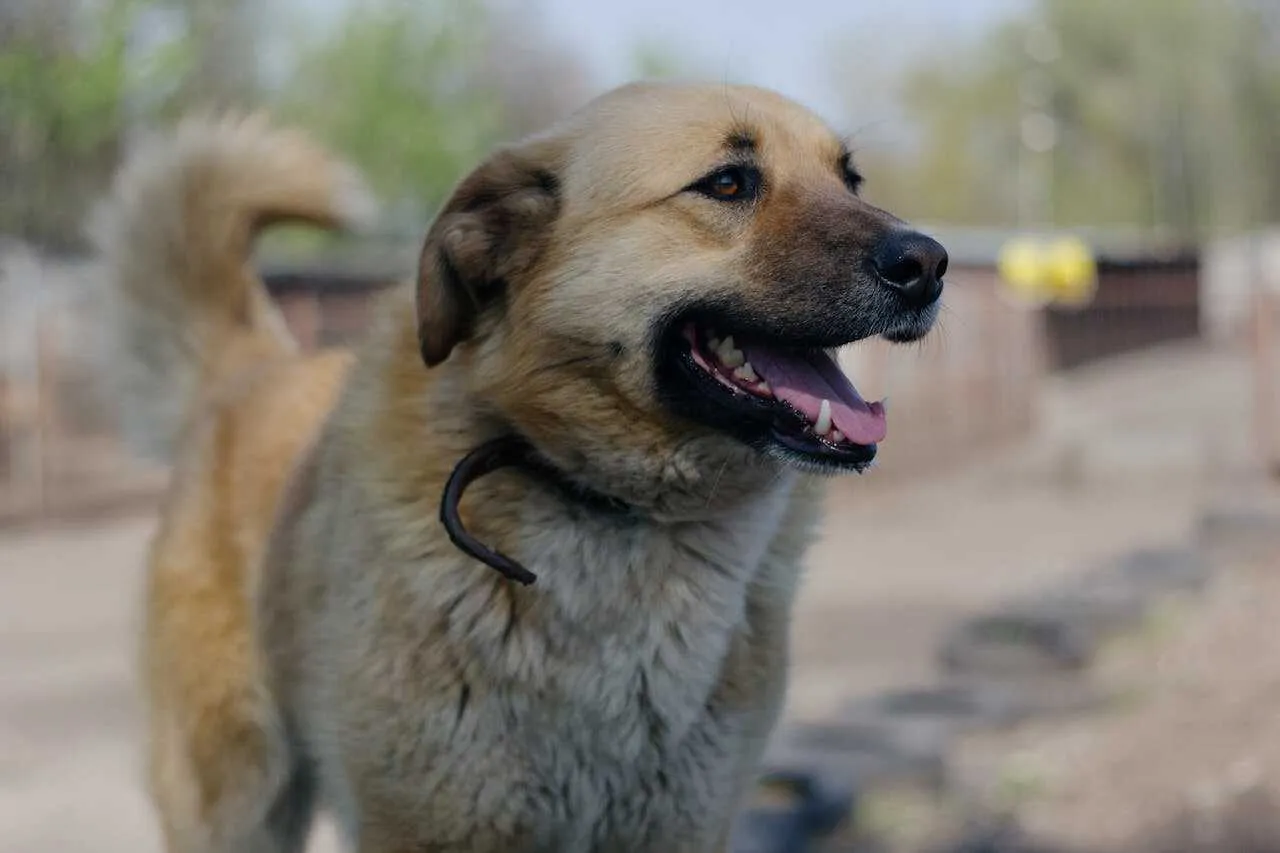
490,231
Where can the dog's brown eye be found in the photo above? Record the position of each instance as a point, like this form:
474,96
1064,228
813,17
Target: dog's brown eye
735,183
726,184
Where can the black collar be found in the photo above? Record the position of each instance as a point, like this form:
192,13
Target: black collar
506,452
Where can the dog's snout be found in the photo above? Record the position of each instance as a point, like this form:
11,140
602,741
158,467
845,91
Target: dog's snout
912,264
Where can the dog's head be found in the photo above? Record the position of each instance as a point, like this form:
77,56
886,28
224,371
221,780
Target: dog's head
650,292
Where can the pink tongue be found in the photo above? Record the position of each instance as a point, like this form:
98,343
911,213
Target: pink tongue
805,379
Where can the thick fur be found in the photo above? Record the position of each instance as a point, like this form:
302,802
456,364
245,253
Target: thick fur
175,235
313,636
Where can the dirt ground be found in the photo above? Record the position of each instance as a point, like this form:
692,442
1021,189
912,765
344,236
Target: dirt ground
1125,459
1195,735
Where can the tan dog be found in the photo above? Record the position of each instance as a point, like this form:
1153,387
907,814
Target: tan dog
643,296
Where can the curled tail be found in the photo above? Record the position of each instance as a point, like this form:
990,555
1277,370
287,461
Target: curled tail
183,306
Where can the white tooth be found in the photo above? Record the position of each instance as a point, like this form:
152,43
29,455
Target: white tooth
764,388
884,405
731,355
746,373
714,343
823,424
837,436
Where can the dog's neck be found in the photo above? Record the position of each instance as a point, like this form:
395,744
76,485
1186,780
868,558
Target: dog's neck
617,593
395,403
512,452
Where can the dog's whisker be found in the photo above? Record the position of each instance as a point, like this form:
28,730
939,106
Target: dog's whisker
715,484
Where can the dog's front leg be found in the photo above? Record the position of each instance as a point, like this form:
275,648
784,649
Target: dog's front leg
756,670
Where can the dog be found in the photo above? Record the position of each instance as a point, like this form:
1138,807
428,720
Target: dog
612,380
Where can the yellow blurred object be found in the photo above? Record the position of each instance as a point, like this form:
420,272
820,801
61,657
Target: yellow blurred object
1021,266
1061,271
1072,272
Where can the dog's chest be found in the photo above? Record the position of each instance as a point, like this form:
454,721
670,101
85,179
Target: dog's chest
588,718
611,731
637,620
575,794
612,720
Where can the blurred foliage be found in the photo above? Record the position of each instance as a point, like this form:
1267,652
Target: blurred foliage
656,60
1160,113
394,87
52,94
652,58
1154,113
537,78
76,77
218,45
64,71
413,93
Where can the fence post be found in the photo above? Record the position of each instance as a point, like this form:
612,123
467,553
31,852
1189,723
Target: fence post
46,408
1265,377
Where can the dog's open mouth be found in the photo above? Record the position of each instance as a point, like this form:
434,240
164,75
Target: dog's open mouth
795,399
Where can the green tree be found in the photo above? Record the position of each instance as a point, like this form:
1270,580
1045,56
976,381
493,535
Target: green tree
75,78
537,79
397,88
60,111
1156,113
222,39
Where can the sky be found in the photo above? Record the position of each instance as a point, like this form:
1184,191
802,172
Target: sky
820,52
808,49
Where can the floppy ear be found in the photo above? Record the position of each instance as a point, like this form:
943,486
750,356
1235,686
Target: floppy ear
490,231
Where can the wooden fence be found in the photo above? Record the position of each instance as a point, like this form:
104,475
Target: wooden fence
1140,302
60,456
968,387
1265,347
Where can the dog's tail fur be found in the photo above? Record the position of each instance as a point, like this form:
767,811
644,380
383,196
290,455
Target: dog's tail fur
183,306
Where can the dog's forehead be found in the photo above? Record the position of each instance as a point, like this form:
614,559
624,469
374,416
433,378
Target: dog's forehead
650,135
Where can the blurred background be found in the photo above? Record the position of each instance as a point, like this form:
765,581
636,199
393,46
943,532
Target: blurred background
1043,622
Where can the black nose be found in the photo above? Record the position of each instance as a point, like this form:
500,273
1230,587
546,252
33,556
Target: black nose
913,265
